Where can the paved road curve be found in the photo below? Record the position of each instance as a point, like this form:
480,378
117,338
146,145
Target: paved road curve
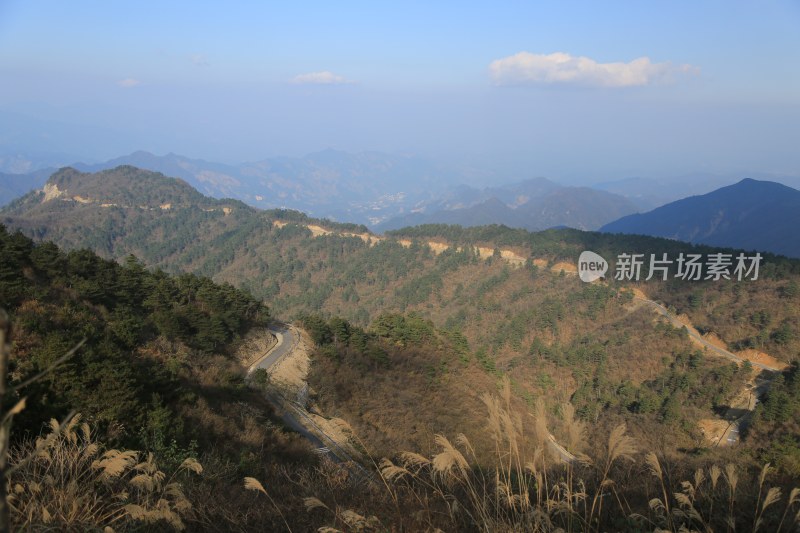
287,340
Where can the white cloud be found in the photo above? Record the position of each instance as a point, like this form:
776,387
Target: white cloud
128,82
324,77
559,68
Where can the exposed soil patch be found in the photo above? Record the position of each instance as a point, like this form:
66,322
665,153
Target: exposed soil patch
756,356
316,231
437,247
637,293
563,266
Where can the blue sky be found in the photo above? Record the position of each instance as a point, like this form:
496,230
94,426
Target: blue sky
571,90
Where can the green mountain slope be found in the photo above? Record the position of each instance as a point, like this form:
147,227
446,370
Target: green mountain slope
132,319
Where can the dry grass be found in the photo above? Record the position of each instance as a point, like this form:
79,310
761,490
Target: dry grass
614,490
72,484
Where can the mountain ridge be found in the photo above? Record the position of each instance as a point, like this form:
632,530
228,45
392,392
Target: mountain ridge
751,214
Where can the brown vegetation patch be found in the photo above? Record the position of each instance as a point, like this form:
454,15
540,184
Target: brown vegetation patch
337,430
383,402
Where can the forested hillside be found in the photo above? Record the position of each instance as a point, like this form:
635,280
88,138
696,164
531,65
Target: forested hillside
561,337
439,313
556,337
155,373
145,333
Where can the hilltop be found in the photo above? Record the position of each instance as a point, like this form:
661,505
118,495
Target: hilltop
124,186
751,214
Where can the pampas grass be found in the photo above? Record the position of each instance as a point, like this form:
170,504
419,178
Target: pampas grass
63,481
451,491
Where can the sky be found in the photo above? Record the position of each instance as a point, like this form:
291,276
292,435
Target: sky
572,90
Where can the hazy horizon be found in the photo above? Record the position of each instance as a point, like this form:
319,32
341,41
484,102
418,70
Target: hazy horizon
579,94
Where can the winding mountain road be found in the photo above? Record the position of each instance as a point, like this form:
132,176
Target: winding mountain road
295,415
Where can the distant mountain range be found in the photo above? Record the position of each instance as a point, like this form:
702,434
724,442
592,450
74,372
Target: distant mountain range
386,191
751,214
534,204
380,190
366,187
